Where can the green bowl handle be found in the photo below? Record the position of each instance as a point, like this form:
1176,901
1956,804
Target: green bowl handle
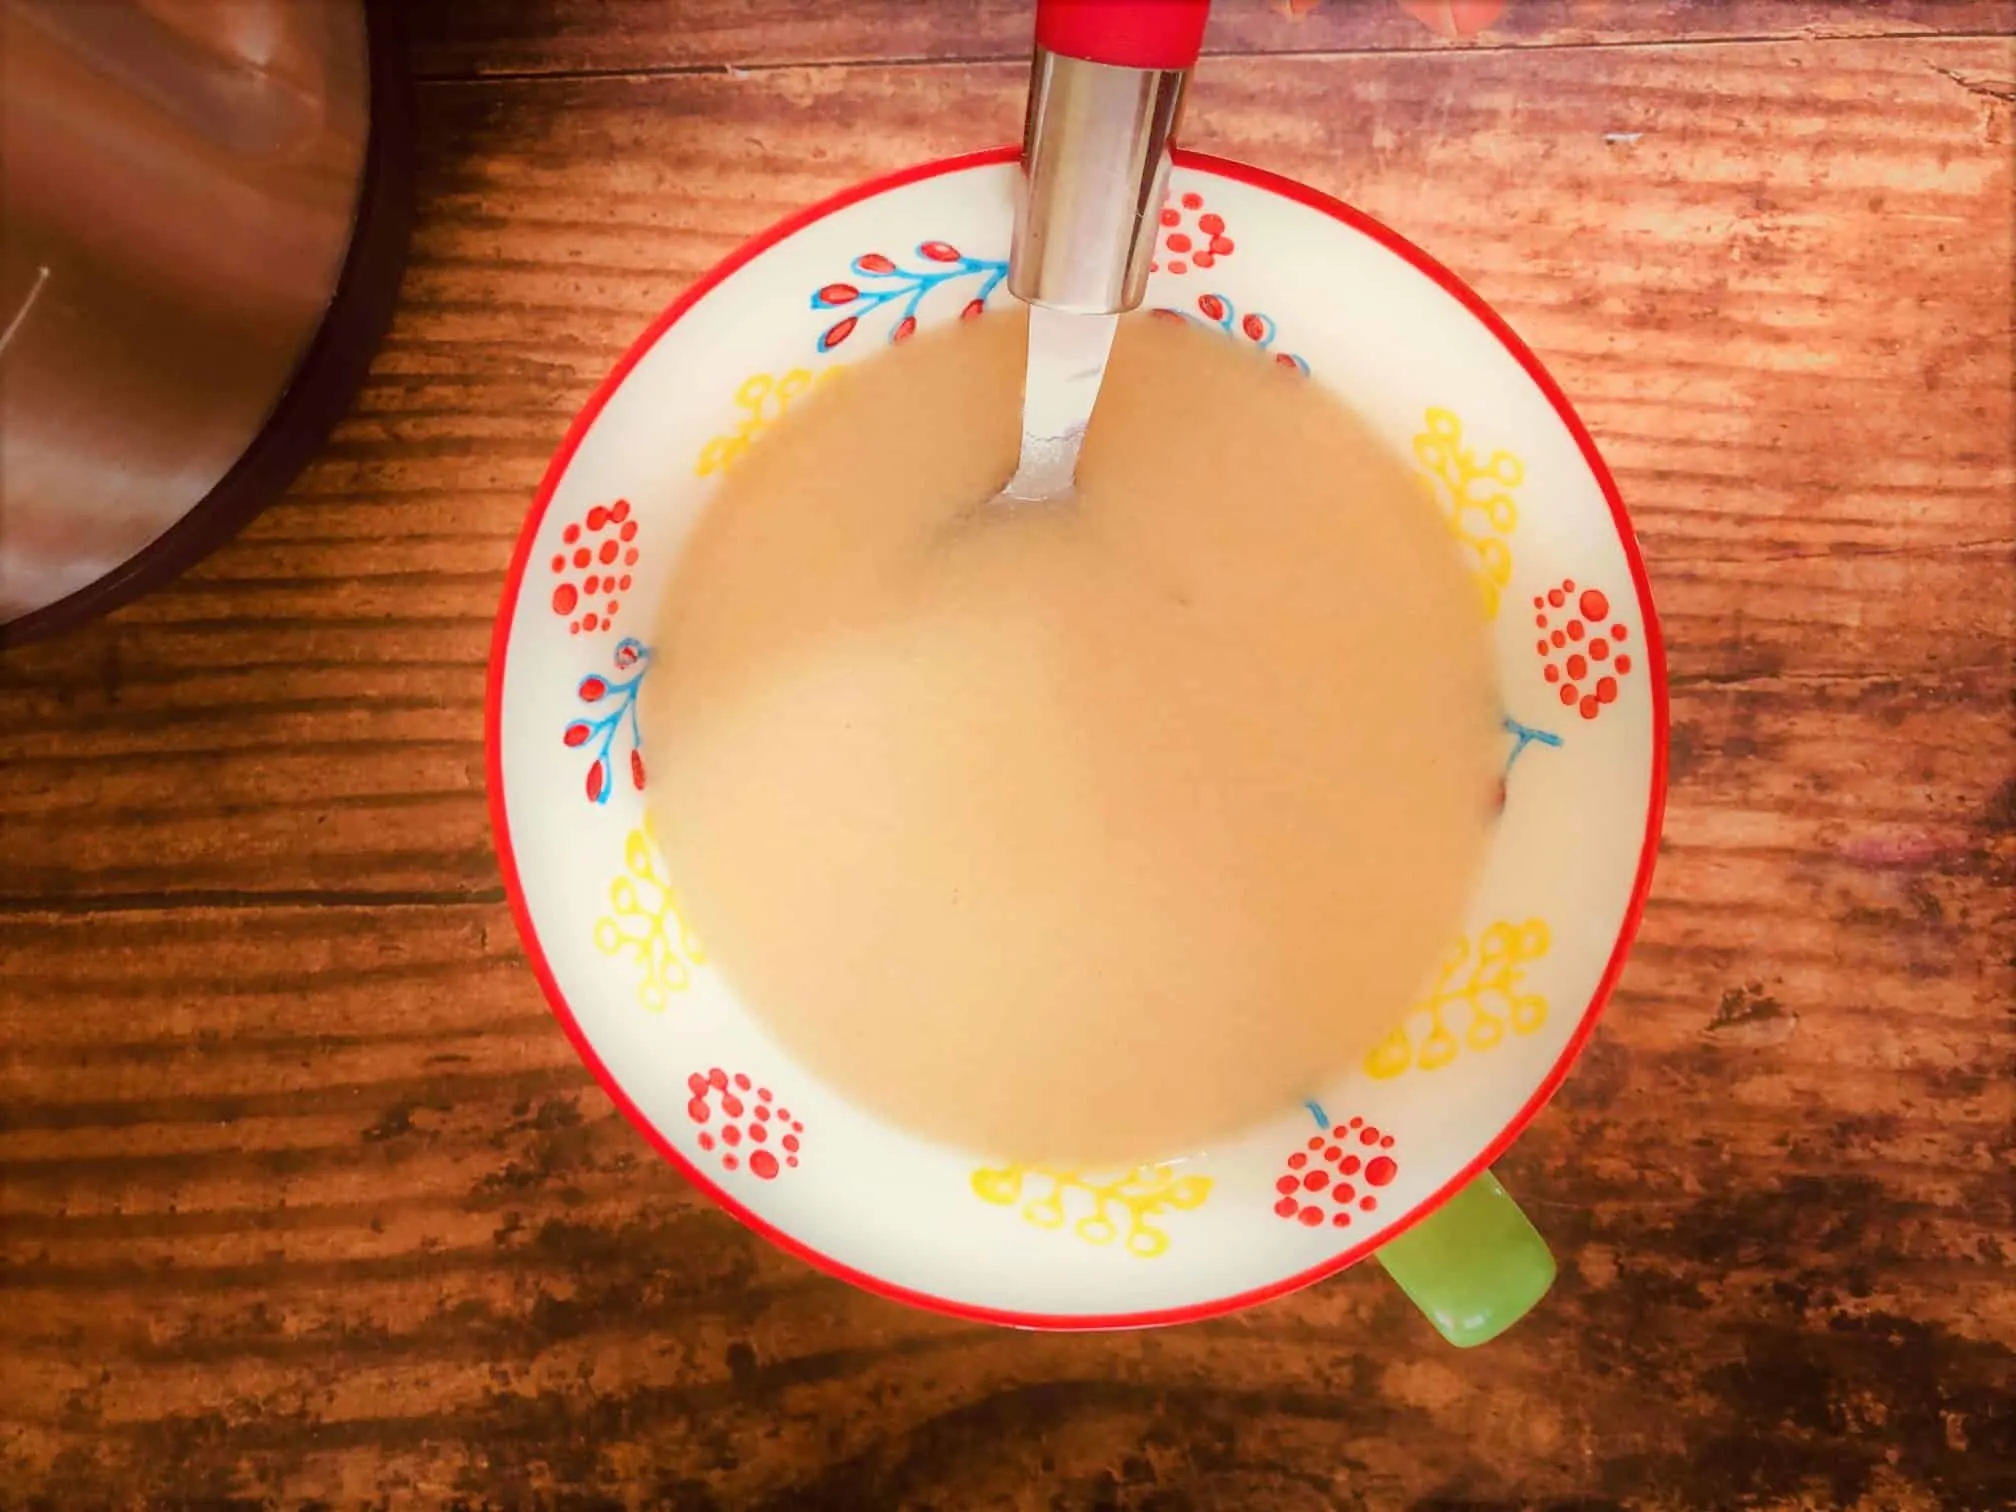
1475,1265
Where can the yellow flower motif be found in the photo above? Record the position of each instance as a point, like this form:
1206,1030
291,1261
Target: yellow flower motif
1485,985
762,399
645,925
1475,501
1103,1201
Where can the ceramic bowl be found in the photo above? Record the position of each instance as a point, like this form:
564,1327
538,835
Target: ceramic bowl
1538,522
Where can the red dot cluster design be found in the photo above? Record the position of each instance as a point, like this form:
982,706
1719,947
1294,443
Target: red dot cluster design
1191,237
1343,1167
1584,653
592,568
752,1131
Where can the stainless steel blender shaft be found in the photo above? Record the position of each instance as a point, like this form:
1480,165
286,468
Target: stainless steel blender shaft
1095,168
1095,161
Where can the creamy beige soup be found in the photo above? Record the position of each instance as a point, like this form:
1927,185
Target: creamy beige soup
1077,832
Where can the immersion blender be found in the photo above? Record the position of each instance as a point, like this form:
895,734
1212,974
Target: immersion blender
1106,89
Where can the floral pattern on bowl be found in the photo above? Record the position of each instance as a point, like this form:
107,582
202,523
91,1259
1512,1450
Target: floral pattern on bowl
1529,505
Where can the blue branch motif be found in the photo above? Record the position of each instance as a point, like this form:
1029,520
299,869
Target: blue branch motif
881,281
1523,735
1216,310
613,702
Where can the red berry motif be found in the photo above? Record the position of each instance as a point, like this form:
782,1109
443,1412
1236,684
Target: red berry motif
1582,651
741,1124
1337,1172
895,297
596,542
1217,310
1191,236
610,719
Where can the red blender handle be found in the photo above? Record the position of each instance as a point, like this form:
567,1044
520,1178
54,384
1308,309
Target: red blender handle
1153,34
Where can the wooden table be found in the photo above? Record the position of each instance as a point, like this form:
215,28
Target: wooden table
307,1202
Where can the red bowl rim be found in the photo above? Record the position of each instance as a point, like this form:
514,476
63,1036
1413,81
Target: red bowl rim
1218,1306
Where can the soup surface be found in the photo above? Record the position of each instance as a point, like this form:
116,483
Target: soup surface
1079,832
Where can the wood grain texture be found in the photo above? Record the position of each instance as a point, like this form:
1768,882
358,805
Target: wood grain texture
302,1196
454,39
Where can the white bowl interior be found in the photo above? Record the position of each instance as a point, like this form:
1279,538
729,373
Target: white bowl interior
1546,926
